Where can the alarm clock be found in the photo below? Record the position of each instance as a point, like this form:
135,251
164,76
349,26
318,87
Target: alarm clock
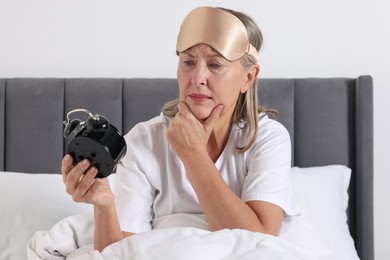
96,140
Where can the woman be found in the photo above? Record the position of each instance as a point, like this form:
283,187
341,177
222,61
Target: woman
212,159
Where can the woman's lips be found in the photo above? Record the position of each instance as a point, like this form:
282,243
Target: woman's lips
199,97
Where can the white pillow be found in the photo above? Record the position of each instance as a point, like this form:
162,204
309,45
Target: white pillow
28,203
322,193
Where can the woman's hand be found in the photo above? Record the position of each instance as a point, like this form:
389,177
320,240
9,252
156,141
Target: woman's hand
187,135
84,187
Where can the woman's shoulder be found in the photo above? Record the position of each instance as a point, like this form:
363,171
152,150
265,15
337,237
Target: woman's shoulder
267,124
271,131
272,138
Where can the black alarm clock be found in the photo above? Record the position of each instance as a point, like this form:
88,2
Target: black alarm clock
94,139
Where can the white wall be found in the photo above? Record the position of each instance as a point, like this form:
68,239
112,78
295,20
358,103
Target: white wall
303,38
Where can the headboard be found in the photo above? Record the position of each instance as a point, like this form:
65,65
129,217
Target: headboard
330,121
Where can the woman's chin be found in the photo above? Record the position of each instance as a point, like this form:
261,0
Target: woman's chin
201,115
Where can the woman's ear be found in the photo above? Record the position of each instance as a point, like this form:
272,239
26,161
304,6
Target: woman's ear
250,77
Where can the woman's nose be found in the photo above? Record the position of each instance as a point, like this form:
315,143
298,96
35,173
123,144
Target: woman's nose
200,75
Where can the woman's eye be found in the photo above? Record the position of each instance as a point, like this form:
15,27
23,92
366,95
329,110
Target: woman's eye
188,62
215,65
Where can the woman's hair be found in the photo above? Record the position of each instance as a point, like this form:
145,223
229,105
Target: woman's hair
247,108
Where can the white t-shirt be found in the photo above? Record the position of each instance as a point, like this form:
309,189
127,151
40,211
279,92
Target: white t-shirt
152,189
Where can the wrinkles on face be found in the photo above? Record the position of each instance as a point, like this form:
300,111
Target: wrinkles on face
206,80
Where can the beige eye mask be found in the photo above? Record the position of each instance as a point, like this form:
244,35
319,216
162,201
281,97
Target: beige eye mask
223,31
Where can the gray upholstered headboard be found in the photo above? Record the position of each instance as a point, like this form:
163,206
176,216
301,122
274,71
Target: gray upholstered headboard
330,121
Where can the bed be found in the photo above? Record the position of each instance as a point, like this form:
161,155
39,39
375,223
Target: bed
330,121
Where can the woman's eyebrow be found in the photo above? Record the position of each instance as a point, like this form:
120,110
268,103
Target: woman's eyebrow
188,53
214,54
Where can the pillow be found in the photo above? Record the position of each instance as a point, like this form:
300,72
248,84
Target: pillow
323,197
31,202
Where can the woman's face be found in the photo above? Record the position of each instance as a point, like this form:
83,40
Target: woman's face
206,80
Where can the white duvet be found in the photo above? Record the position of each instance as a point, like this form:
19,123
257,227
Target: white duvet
72,238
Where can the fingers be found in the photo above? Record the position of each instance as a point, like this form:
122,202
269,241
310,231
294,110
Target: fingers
184,115
214,115
66,166
77,183
184,109
84,184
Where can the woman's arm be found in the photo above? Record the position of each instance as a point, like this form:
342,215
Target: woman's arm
107,229
222,207
85,188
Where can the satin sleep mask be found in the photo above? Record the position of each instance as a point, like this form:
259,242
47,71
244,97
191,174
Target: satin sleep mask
223,31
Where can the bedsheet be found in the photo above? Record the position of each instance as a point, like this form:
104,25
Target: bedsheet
72,239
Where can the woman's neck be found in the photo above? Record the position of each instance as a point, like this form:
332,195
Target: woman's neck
218,139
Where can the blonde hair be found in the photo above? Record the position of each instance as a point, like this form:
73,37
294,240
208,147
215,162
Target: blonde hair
247,108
